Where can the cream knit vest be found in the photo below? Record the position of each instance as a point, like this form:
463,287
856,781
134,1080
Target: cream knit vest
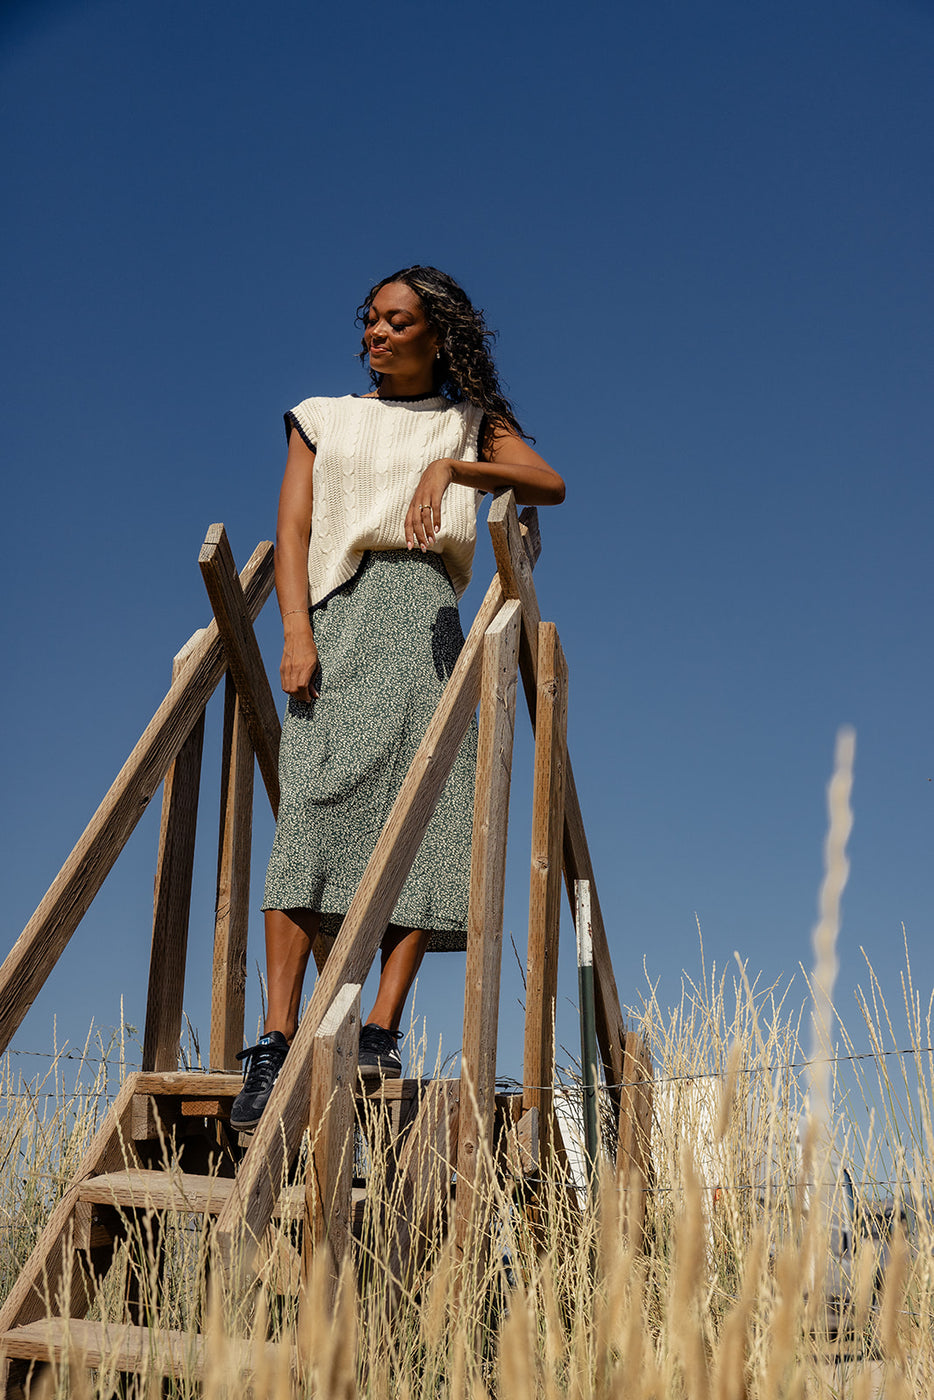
370,454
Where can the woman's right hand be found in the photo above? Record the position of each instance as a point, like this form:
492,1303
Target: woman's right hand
299,664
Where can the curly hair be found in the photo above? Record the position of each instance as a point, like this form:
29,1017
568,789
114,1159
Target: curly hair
464,368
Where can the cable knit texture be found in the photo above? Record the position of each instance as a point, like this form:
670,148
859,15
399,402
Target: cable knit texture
370,455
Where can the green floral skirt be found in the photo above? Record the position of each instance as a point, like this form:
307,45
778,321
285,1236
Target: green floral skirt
387,643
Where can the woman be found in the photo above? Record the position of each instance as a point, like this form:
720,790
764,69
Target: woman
376,531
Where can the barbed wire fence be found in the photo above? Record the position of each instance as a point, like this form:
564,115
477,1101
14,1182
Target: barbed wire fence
566,1086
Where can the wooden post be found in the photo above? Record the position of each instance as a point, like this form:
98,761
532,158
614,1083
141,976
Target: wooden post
172,899
46,936
246,665
515,561
545,880
485,917
634,1154
232,907
242,1221
329,1174
588,1030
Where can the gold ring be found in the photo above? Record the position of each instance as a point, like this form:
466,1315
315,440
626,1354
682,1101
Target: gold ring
424,507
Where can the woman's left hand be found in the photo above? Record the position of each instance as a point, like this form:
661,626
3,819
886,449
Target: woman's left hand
423,517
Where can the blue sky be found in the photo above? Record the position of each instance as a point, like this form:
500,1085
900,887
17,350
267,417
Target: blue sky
704,234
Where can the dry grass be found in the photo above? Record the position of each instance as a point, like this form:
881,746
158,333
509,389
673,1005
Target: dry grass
728,1299
762,1272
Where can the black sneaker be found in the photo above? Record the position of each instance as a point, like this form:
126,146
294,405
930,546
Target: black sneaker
379,1056
264,1062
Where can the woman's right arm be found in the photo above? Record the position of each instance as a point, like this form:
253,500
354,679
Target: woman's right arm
293,532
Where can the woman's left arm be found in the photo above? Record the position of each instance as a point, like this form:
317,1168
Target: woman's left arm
509,461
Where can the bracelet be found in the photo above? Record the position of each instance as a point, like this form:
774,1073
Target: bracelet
294,610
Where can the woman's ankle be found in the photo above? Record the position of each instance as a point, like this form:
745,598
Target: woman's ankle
271,1025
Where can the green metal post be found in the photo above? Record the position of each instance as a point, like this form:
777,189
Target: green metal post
588,1025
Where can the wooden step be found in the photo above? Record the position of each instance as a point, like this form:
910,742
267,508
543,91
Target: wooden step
194,1084
139,1189
120,1345
199,1084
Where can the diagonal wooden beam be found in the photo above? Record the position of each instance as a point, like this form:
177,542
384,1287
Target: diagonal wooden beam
514,568
485,918
275,1142
45,937
243,657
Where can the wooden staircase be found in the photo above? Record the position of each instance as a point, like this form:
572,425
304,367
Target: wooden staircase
116,1199
263,1208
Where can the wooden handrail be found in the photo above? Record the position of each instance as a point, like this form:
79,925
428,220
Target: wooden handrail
246,665
45,937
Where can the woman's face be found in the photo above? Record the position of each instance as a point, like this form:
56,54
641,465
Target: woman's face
397,336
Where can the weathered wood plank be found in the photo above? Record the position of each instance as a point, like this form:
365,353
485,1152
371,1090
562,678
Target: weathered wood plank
514,565
521,1155
136,1188
634,1151
531,534
172,901
191,1084
232,908
545,879
329,1175
390,1090
219,572
485,914
44,938
122,1347
240,1226
141,1188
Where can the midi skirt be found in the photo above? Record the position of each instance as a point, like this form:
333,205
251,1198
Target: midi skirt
387,642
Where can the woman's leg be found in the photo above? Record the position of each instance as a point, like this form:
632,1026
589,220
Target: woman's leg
402,953
289,936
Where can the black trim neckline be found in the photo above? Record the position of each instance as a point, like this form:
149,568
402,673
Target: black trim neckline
401,398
